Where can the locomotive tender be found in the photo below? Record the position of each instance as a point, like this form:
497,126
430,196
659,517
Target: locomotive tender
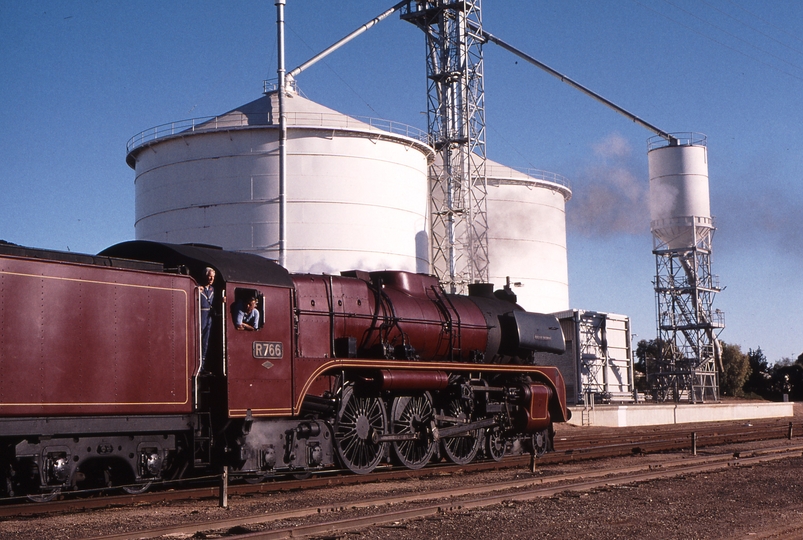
100,361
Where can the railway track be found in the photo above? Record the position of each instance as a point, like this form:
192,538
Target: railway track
610,442
349,515
570,445
574,445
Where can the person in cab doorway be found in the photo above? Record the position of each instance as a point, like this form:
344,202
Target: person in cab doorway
207,293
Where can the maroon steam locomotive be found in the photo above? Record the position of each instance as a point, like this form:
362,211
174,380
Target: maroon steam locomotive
100,360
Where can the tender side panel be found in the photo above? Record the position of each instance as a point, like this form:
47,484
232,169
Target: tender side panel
81,339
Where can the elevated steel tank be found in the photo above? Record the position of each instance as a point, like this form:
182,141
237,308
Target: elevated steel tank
679,201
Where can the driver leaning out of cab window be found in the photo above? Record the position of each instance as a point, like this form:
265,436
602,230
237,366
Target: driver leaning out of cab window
247,315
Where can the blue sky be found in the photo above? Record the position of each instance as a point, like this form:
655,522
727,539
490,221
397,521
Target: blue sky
79,78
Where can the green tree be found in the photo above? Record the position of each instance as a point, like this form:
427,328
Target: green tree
736,370
786,378
646,355
760,379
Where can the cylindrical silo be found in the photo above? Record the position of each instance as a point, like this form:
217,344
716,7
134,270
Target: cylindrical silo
357,191
685,286
527,235
679,202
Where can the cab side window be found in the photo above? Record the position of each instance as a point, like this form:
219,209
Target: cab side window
248,310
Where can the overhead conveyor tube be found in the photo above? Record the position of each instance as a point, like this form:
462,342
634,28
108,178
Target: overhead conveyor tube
332,48
490,37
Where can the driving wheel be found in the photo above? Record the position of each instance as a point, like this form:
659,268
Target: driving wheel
413,415
357,420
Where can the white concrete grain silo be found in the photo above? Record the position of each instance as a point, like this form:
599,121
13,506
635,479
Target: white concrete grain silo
527,235
357,191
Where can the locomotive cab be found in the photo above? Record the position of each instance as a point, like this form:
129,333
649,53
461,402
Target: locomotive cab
258,363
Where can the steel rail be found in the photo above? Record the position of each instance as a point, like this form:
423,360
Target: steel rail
437,509
586,447
449,499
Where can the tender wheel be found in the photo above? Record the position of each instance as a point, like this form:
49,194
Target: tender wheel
413,414
136,489
45,496
357,421
258,479
494,444
461,449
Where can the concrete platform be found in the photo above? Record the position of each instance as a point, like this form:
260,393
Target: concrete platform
661,413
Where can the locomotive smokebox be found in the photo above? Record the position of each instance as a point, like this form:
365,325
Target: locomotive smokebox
525,331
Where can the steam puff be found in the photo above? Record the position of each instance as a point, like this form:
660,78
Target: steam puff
769,217
608,196
614,146
663,200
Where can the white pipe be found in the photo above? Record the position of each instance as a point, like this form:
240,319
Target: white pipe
282,137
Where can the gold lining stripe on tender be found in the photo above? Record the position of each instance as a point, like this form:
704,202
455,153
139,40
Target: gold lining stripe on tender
260,412
131,285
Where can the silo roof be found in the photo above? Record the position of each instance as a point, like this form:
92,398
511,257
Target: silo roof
498,174
264,111
299,111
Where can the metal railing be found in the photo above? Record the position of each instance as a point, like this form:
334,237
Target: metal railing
687,138
241,120
503,172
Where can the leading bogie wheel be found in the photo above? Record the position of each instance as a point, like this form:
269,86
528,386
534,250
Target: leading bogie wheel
413,415
494,443
541,442
358,419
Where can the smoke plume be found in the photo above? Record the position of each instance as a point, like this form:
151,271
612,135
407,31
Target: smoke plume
610,194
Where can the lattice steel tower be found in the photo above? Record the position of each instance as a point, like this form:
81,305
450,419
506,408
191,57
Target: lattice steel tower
682,230
456,121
